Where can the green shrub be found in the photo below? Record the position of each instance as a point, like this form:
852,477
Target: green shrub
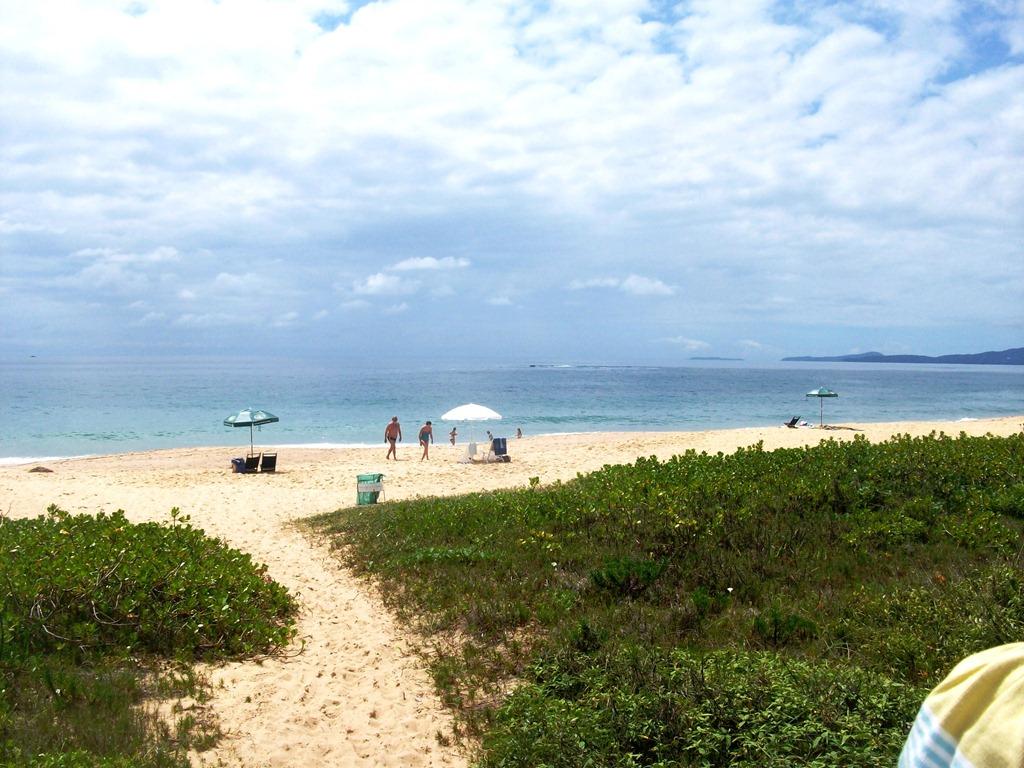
777,628
888,561
644,707
99,616
627,577
59,713
96,585
1009,501
80,759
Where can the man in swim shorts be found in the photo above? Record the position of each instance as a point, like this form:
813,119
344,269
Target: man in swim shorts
426,438
392,435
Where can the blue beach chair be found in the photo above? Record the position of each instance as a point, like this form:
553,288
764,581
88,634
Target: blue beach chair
499,447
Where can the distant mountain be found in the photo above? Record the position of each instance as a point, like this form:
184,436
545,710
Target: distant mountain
1005,357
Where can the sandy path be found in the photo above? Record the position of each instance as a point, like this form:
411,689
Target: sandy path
356,694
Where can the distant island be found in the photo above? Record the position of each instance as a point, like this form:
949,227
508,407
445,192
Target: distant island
1004,357
716,358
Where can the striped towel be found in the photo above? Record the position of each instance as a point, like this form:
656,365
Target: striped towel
975,717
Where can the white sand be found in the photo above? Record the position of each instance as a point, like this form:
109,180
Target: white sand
353,692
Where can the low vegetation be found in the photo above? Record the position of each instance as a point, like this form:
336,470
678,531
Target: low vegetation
101,620
753,609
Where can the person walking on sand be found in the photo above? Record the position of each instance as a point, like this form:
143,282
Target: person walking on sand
451,436
426,438
392,436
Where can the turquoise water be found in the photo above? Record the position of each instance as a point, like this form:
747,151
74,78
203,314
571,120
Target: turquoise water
70,408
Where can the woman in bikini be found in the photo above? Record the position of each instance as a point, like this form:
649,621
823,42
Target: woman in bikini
426,438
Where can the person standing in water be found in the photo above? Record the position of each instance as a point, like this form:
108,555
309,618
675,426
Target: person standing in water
426,438
392,435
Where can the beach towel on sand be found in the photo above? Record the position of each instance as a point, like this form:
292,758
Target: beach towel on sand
975,717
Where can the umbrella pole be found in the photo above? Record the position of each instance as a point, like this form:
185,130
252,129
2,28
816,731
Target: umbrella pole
821,412
251,449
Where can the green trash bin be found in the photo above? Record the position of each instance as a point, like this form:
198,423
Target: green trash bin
369,488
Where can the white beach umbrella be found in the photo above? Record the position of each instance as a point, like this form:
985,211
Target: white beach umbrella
471,412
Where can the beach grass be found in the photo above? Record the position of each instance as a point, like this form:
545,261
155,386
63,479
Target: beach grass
757,608
101,622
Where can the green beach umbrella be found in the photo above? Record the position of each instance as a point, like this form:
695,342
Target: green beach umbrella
250,417
821,393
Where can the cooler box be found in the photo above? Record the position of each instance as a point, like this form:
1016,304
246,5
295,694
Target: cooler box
368,488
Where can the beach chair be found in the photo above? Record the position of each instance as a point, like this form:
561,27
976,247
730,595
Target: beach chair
470,454
793,422
252,463
269,462
499,449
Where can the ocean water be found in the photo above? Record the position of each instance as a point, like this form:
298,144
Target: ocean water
74,408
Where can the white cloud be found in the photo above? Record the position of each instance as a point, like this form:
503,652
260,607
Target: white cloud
381,284
89,253
181,149
632,284
155,256
110,275
285,320
355,304
500,301
230,282
595,282
396,309
646,286
13,227
114,271
114,256
149,318
690,345
429,262
208,320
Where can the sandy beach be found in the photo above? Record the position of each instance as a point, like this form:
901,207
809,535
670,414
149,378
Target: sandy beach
352,690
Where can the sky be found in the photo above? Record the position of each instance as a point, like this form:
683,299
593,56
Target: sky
453,181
